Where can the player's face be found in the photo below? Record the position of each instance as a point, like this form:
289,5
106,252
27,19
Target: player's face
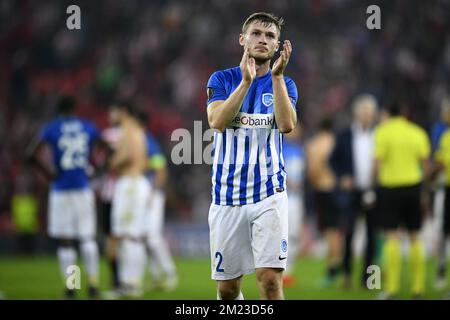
262,39
115,116
366,115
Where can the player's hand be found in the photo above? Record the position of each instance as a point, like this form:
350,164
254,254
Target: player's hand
248,67
369,199
282,61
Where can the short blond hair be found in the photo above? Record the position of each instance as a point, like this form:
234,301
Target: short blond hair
265,18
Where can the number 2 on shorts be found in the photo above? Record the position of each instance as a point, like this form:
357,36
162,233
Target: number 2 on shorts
218,268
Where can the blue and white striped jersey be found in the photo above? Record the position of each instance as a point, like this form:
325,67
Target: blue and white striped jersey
248,163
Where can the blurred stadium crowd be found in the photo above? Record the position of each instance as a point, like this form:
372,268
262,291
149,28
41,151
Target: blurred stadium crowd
161,53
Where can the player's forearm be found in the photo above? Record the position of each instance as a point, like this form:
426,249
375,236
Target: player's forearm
426,170
118,161
31,155
46,170
285,115
220,115
435,169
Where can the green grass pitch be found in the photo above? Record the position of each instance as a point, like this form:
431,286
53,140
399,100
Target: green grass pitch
38,278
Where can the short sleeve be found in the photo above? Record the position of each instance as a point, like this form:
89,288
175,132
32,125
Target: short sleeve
443,151
156,159
292,91
425,148
216,87
153,145
94,132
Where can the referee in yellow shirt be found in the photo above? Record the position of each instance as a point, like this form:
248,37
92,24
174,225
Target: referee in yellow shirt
442,162
401,154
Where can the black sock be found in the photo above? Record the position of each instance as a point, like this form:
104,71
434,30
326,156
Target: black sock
333,271
93,292
441,271
69,293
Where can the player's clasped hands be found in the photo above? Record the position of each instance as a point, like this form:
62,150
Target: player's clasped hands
248,67
280,64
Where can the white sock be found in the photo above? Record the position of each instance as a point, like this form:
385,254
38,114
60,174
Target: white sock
161,256
155,271
132,263
89,251
67,256
240,296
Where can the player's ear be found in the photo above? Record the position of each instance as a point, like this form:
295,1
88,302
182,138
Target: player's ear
241,40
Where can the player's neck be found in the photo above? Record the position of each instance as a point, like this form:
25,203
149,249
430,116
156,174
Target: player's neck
262,69
128,123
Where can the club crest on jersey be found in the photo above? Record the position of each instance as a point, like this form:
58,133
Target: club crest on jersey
267,99
284,245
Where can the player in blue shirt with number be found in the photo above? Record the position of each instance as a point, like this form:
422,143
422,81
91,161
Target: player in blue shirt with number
251,106
71,203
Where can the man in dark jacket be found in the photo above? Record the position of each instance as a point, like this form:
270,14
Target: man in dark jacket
351,161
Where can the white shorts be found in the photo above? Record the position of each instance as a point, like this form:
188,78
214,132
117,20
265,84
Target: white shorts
130,206
243,238
155,216
71,214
